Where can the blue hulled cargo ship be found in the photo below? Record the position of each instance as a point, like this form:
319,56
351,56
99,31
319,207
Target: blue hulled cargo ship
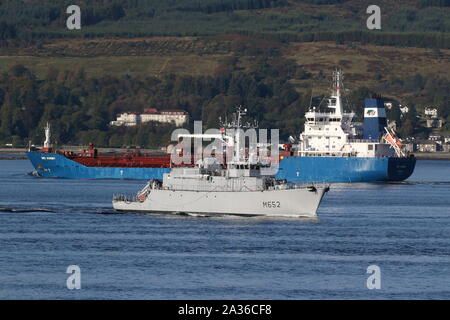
294,169
331,149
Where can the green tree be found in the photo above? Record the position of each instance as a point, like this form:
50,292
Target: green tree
6,127
394,114
407,129
115,141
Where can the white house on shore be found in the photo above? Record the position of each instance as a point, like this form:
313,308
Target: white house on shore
431,112
131,119
404,109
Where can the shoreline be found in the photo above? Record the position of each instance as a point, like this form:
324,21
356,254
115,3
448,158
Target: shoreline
13,158
432,155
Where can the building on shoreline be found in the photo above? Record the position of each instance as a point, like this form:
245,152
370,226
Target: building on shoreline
427,146
132,119
432,119
431,112
446,147
435,123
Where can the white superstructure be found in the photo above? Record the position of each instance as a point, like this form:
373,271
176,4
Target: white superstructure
333,134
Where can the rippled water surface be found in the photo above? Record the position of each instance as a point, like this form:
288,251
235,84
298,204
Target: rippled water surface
48,224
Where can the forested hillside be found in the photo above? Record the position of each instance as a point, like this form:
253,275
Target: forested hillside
80,107
405,22
208,56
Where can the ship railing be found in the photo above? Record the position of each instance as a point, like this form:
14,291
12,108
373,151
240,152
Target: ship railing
304,185
318,113
327,153
125,198
299,185
363,140
324,113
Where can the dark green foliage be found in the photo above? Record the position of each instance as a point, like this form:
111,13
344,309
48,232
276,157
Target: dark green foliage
412,20
394,114
424,91
356,101
407,129
36,13
421,40
320,2
229,5
7,31
423,25
81,108
433,3
93,14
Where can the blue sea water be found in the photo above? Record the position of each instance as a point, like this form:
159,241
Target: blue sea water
48,224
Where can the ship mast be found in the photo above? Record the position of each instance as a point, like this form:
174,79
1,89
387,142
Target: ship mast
48,135
237,149
335,101
232,138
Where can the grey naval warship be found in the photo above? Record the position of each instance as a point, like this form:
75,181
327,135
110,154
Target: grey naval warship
242,187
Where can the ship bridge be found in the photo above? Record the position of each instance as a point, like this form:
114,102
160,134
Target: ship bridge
333,133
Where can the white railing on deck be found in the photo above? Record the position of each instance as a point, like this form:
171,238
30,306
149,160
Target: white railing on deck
362,141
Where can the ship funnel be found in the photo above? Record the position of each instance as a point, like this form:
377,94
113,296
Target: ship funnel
374,118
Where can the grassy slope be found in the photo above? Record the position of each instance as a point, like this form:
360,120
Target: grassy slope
362,63
205,56
134,66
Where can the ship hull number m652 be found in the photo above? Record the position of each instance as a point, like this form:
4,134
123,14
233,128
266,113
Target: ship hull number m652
271,204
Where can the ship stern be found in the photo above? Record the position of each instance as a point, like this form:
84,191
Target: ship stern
400,169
